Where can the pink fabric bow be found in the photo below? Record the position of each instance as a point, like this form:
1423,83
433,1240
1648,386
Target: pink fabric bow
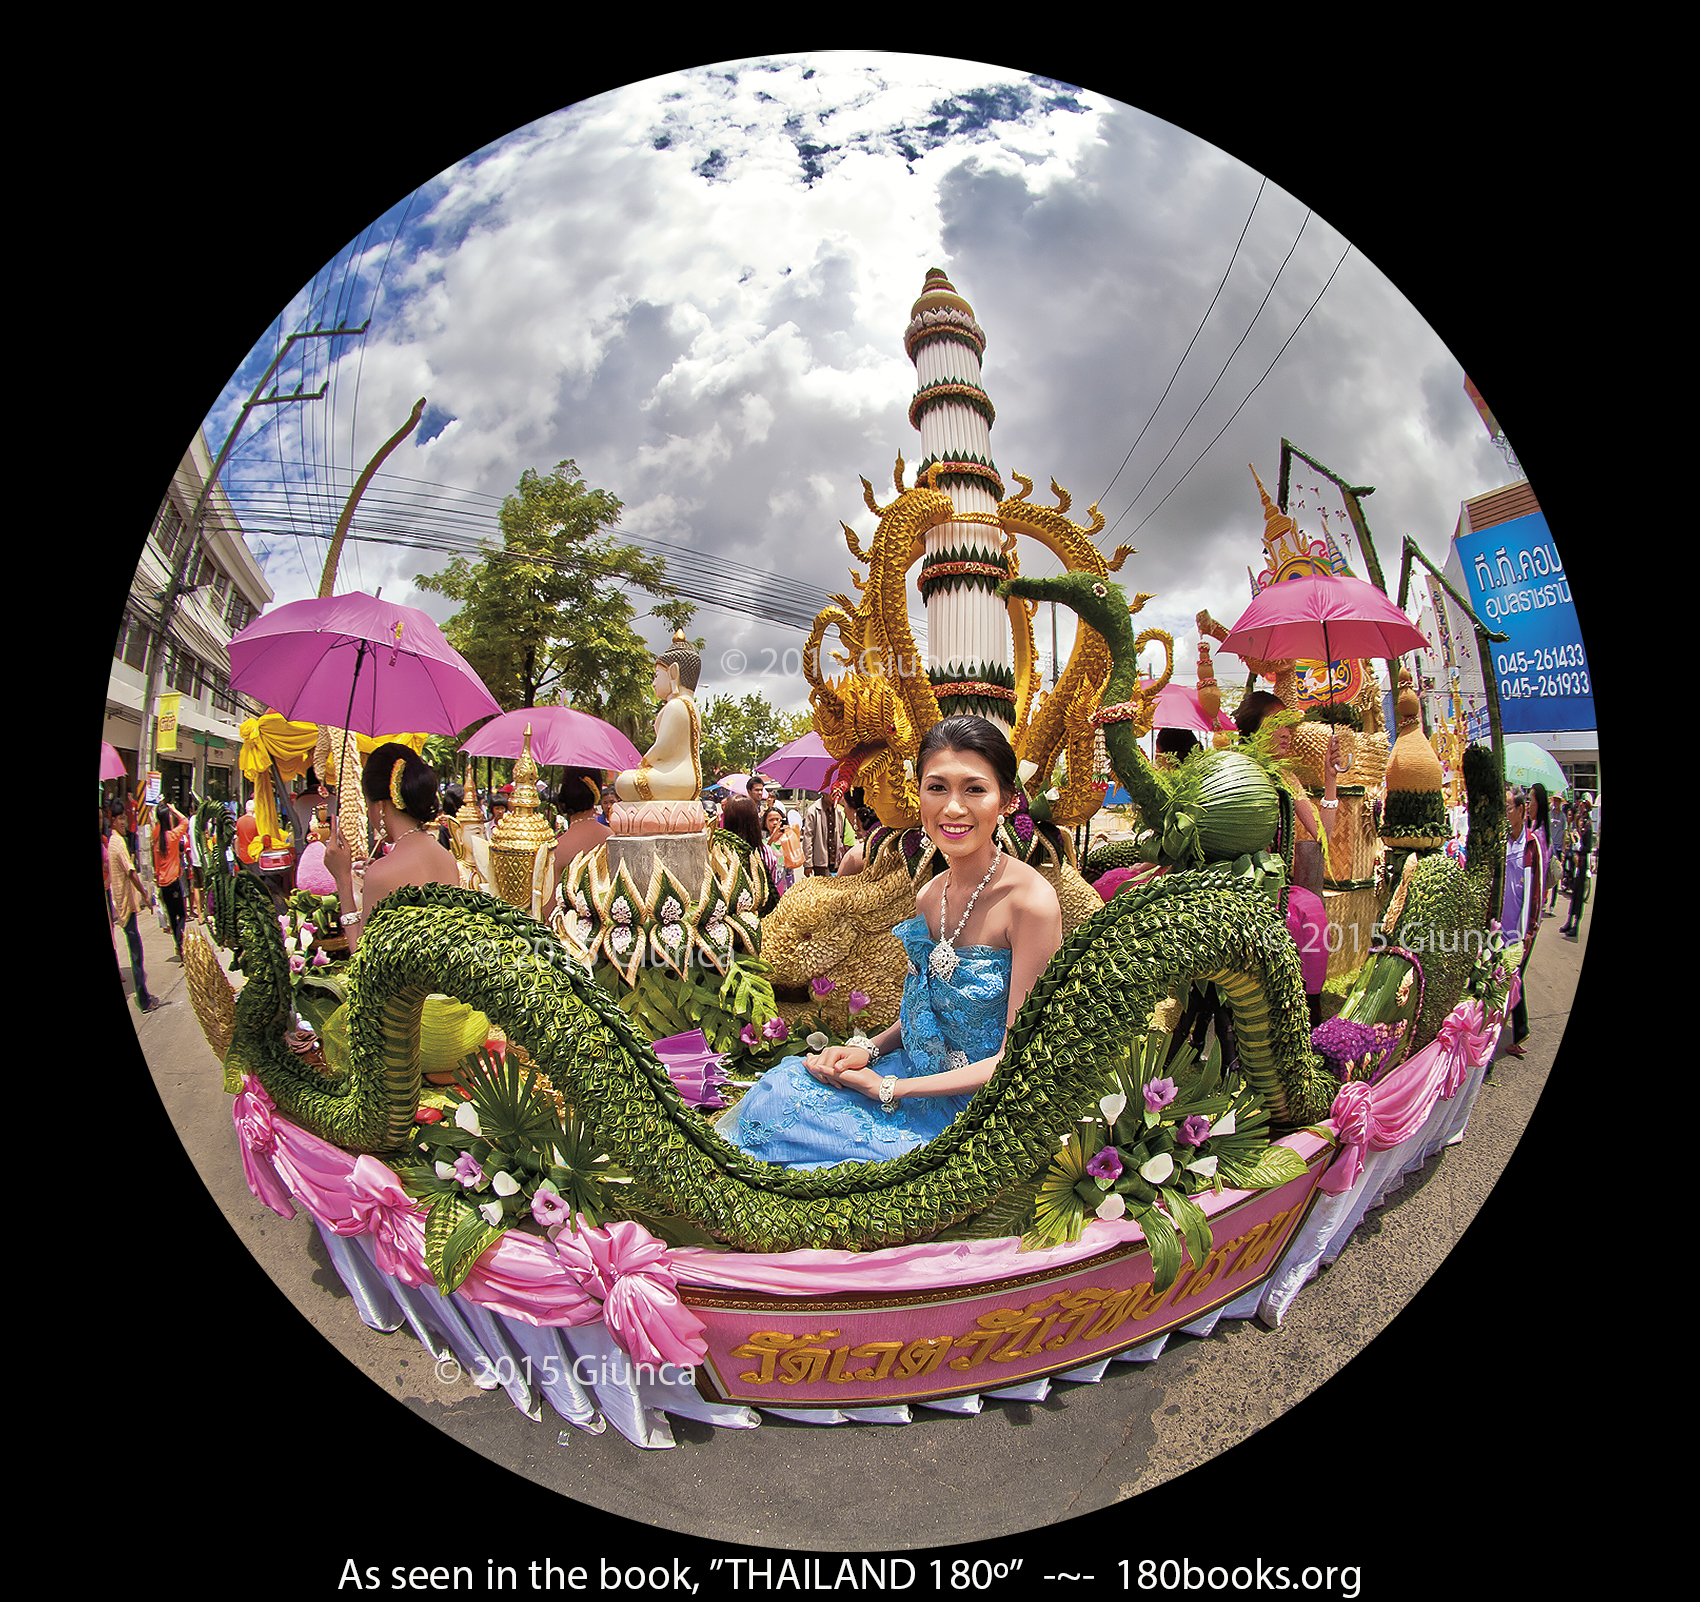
626,1267
257,1136
1466,1037
379,1207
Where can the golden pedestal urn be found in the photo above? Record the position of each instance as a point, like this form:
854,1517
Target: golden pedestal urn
513,849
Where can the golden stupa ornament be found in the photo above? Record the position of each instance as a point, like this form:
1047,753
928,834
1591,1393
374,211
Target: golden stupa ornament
471,815
513,847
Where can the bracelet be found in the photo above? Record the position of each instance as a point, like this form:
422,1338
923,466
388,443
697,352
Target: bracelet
350,918
887,1086
1331,806
873,1051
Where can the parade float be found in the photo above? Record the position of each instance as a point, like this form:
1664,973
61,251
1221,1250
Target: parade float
569,1197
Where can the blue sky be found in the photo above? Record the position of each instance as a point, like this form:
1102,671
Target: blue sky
696,287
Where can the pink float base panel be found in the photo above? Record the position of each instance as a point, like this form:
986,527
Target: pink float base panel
872,1350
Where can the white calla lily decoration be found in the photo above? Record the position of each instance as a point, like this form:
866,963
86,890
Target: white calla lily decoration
466,1117
504,1183
1157,1169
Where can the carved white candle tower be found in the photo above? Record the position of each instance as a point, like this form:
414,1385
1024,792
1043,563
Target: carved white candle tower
968,645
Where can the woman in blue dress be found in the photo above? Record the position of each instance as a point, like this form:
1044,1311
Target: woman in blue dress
983,932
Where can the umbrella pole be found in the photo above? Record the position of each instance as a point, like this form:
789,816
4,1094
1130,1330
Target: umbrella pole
336,797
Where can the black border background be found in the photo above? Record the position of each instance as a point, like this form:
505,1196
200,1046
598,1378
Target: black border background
201,184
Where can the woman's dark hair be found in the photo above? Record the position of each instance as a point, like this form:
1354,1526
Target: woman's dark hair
970,736
162,816
1178,743
739,817
581,789
418,782
1542,813
1250,713
865,814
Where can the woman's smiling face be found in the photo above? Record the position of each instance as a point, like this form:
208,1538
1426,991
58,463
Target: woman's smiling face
960,801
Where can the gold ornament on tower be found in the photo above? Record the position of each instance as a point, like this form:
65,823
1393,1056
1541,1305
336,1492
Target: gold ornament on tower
513,850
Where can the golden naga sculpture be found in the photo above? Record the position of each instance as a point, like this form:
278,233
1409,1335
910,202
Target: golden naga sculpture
1048,722
873,717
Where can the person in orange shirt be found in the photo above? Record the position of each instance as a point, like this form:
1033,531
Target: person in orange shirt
170,827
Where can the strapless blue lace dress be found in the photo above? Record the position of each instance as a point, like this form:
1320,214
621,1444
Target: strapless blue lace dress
790,1117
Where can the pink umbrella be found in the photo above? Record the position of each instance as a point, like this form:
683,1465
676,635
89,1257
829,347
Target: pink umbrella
560,737
1178,708
801,765
359,663
111,764
1324,617
737,783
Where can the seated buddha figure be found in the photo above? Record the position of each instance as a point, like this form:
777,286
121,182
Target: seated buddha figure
671,769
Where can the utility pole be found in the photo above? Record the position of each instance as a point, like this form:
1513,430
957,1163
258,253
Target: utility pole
189,560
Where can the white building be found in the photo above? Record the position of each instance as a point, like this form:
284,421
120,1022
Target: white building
227,592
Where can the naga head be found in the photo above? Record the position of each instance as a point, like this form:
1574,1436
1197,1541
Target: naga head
1099,602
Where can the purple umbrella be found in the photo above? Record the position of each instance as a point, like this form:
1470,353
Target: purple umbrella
111,764
801,765
560,737
358,663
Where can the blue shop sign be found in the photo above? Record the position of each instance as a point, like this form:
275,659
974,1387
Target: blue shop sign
1518,587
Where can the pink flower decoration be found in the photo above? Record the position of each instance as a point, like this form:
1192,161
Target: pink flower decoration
748,1035
822,986
1194,1131
858,1001
1159,1093
1106,1165
776,1029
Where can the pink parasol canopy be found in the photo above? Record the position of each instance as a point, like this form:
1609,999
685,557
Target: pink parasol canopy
1324,617
359,663
1178,708
560,737
736,783
111,764
801,765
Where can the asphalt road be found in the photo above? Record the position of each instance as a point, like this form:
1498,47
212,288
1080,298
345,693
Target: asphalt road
298,1409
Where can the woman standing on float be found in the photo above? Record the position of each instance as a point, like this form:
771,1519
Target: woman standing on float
984,931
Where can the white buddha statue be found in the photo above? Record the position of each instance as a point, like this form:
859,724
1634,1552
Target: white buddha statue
671,770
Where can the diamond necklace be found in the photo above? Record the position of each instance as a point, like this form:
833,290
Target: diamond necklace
944,959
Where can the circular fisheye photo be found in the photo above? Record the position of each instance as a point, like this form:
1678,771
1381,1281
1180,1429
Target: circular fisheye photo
850,801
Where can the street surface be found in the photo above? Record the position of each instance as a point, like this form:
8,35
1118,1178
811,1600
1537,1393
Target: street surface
319,1404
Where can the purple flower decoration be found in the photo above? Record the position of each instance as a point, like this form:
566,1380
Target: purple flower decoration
1194,1131
1023,826
468,1171
776,1029
822,986
858,1001
1159,1093
549,1208
1106,1165
748,1035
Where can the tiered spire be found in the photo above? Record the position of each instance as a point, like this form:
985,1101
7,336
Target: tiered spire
967,627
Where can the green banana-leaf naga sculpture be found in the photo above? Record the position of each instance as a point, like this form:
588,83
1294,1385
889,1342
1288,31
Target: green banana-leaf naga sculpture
1443,900
1060,1056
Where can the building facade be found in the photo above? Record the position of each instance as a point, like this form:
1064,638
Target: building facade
1504,558
225,594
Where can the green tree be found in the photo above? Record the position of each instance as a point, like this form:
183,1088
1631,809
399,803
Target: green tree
737,733
545,614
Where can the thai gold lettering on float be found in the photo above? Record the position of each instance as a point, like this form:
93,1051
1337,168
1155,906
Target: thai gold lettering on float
1089,1315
